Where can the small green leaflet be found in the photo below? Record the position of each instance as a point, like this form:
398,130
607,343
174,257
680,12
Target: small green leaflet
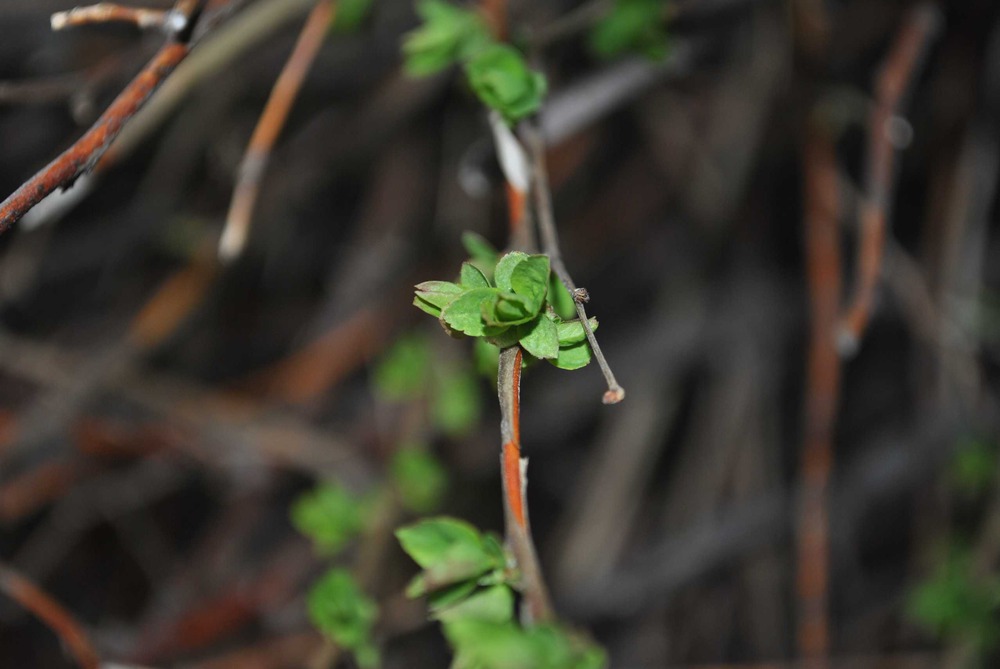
433,296
503,81
465,313
540,337
339,608
472,277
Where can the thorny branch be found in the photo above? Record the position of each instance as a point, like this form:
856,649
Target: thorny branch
269,126
52,613
86,151
894,78
550,245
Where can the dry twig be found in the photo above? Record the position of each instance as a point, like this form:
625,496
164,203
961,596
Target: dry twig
108,12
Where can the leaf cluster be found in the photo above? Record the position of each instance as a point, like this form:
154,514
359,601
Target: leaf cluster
959,606
512,308
632,25
409,373
497,73
470,590
339,608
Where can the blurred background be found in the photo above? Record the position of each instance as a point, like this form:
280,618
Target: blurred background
757,497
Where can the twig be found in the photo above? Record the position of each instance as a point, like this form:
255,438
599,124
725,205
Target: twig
107,12
895,76
52,613
86,151
271,122
823,266
515,483
550,245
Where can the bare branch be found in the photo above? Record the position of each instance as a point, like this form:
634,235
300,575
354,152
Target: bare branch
107,12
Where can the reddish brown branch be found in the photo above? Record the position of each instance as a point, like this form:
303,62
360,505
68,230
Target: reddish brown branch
515,485
823,267
107,12
269,127
52,613
894,78
87,151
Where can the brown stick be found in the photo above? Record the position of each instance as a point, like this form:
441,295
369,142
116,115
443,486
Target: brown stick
52,613
895,76
86,151
513,467
107,12
823,266
269,127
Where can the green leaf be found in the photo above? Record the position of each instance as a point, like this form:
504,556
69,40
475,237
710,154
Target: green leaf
508,309
540,337
572,332
485,644
419,478
503,81
403,372
350,14
479,249
505,268
974,468
449,34
472,277
494,604
465,313
449,550
573,357
632,25
433,296
530,280
446,597
456,403
339,608
487,358
560,299
330,516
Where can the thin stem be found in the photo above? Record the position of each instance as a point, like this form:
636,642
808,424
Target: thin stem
894,78
52,613
550,246
515,483
87,151
269,127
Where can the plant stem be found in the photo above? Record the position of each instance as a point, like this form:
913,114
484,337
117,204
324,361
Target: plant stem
537,607
550,246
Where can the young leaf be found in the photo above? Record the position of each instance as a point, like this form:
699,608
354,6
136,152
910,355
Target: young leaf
403,372
456,403
572,332
508,309
341,610
573,357
419,478
449,34
433,296
350,14
330,516
480,250
472,277
505,268
493,604
503,81
560,299
465,313
540,337
449,550
530,280
632,25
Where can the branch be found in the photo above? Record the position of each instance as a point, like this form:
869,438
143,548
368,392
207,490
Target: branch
896,74
823,266
52,613
515,484
107,12
272,120
550,245
87,151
